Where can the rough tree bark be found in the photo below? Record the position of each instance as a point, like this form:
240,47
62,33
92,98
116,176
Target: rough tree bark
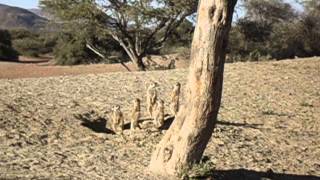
188,136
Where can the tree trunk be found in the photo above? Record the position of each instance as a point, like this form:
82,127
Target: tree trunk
139,63
131,52
188,136
137,60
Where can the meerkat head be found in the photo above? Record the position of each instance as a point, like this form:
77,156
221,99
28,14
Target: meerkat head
153,84
136,101
178,85
160,102
116,108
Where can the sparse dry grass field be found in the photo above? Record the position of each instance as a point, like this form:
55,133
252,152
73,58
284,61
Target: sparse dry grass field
53,127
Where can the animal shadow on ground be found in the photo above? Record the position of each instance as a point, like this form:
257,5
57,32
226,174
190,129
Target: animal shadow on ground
96,124
169,120
167,123
245,125
244,174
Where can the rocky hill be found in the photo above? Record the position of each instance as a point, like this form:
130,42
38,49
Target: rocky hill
15,18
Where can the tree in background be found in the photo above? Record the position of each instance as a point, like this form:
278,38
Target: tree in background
33,44
6,50
180,40
72,46
133,24
309,27
251,36
184,143
274,30
311,6
71,49
268,11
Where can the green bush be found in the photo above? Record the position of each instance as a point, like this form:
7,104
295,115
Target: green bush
71,50
28,46
22,33
309,28
49,43
33,44
6,50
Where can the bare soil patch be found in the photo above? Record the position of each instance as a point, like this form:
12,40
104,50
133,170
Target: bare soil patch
43,67
54,127
36,70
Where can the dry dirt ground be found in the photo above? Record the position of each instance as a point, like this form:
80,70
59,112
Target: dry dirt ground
43,67
54,127
9,70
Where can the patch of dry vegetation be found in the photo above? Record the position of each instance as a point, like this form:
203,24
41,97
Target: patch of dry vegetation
54,127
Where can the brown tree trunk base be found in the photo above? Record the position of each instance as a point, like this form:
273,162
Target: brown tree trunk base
139,64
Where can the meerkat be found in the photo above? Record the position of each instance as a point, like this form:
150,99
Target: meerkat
175,99
117,119
135,114
159,113
152,96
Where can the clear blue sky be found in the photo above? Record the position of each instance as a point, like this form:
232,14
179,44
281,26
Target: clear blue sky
27,4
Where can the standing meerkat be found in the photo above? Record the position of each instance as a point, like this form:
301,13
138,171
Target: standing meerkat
175,99
159,113
135,114
117,119
152,96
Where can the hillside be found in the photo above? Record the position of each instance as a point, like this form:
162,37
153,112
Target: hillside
41,13
15,17
55,127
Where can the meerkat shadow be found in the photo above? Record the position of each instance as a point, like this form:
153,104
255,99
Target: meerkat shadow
127,126
167,122
98,125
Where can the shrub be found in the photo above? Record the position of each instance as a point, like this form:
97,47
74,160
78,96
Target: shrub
72,50
21,34
309,27
33,44
28,46
6,50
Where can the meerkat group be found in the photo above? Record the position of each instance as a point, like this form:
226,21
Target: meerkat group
155,108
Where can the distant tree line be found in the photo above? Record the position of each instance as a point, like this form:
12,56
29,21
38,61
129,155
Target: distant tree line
23,42
269,29
273,29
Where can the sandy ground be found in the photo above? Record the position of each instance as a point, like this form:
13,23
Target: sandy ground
43,67
54,127
34,70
